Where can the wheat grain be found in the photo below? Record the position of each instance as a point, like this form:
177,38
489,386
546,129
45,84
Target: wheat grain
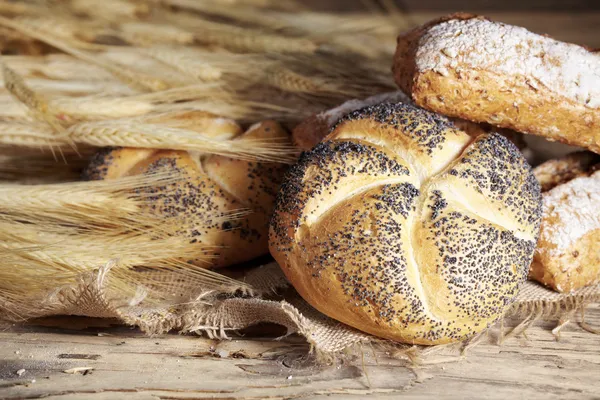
110,10
287,5
67,68
134,79
36,103
19,9
239,39
185,61
151,34
66,29
133,134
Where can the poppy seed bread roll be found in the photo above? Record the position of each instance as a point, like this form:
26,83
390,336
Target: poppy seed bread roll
403,226
211,186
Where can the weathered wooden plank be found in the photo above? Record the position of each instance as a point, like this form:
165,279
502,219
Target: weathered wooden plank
127,364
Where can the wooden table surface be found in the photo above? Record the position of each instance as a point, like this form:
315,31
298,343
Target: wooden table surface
125,364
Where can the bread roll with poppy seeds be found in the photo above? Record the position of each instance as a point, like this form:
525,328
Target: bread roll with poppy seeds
211,186
469,67
403,226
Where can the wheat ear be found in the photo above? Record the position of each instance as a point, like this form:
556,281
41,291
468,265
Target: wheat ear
134,79
37,104
156,136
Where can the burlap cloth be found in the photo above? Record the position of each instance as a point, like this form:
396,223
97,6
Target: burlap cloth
217,315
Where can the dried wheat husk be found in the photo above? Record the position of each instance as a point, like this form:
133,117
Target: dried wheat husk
68,29
238,39
13,9
37,104
110,10
147,34
283,5
135,79
187,61
156,136
52,235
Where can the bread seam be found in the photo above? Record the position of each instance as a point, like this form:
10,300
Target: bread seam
356,192
223,187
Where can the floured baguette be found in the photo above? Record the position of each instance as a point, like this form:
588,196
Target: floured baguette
567,256
469,67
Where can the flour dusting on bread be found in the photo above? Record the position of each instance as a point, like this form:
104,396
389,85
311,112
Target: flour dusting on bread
563,68
573,210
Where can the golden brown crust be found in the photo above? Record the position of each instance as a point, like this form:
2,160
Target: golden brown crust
567,256
511,101
211,187
561,170
312,130
576,267
403,226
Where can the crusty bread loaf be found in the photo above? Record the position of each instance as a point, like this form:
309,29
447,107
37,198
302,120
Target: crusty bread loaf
561,170
469,67
401,225
210,186
567,256
312,130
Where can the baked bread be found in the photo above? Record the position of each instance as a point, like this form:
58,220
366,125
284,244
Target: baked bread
468,67
210,186
568,251
561,170
403,226
312,130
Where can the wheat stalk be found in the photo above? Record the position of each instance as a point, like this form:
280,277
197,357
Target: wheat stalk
156,136
134,79
110,10
151,34
65,29
285,5
185,61
239,39
50,234
36,103
67,68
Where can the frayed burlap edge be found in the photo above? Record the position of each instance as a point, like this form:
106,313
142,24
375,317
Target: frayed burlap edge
218,314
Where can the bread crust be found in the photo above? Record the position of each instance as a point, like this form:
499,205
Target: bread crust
403,226
211,186
561,170
453,76
312,130
567,256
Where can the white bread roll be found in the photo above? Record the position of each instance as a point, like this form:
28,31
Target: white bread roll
403,226
211,185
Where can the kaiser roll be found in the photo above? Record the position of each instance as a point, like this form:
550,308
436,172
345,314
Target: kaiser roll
403,226
210,186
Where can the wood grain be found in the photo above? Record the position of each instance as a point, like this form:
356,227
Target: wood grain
125,364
